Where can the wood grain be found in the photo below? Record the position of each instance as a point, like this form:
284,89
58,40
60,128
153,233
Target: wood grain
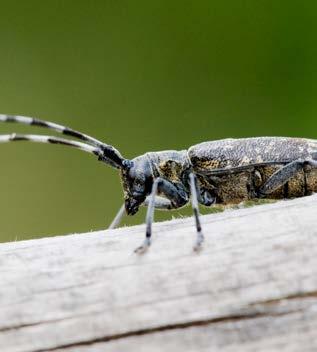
252,288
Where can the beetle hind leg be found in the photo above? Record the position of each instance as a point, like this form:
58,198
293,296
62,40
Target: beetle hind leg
281,176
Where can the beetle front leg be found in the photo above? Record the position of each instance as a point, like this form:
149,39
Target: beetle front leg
149,219
117,219
177,199
281,176
160,203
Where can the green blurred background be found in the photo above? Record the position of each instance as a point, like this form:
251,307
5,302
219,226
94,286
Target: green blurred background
142,76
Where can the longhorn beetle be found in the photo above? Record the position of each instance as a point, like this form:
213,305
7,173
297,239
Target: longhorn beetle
222,171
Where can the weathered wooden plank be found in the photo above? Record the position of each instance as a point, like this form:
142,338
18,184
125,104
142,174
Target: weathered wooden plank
286,327
253,287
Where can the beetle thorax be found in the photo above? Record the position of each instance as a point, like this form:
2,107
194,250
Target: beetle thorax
137,180
170,164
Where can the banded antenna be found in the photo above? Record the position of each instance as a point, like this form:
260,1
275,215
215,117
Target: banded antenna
107,153
13,137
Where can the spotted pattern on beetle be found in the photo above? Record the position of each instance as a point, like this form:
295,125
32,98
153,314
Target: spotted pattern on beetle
249,151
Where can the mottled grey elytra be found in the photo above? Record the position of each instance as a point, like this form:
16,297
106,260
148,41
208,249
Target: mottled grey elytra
223,171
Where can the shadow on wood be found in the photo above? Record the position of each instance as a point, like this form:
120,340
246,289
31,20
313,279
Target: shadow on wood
252,288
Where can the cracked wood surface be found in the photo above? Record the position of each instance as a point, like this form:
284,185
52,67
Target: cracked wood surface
252,288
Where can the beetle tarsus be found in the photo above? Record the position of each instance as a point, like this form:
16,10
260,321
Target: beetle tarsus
144,247
199,241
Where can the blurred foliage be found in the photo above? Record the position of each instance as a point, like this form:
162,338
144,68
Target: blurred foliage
142,76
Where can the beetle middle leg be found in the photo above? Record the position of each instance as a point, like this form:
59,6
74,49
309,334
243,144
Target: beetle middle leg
193,190
281,176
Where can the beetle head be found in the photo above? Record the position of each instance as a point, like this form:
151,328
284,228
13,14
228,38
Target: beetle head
137,180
